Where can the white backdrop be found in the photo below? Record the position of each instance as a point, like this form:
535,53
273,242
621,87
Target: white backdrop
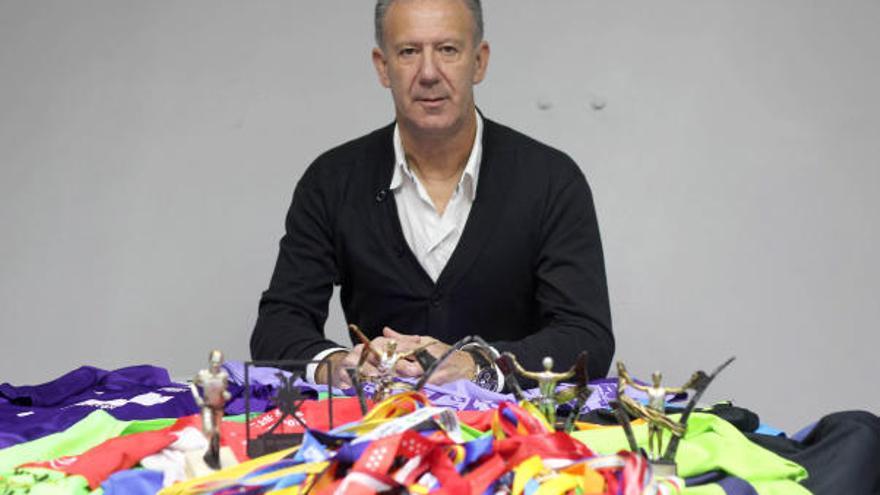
148,151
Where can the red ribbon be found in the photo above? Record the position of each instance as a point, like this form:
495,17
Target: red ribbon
556,445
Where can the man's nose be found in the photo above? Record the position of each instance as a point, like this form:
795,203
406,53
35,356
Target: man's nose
429,72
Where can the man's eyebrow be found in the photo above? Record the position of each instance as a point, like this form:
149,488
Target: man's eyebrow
452,41
448,41
401,44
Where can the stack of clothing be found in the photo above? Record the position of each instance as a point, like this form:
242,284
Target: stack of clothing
128,431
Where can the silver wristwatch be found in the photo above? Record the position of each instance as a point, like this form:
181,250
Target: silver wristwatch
485,377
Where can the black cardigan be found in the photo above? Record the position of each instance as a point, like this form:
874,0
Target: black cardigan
527,275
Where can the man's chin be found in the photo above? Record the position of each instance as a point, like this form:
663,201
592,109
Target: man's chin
435,124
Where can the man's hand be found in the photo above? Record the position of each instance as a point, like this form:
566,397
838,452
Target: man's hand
408,367
459,365
340,361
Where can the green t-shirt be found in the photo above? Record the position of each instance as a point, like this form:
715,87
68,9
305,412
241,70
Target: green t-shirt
712,444
89,432
38,481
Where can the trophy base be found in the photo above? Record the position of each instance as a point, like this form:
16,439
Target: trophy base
272,442
663,469
196,466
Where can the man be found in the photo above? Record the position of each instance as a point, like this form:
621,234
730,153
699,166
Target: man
441,225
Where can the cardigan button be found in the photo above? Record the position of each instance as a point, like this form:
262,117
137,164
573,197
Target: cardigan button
436,299
380,196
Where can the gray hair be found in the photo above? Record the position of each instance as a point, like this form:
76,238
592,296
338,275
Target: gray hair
475,7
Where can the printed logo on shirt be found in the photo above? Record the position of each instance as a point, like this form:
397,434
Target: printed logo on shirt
148,399
262,423
63,462
174,389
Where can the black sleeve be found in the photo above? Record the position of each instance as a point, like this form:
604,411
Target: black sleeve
293,310
571,290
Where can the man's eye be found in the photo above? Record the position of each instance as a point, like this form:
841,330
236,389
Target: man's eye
448,50
407,52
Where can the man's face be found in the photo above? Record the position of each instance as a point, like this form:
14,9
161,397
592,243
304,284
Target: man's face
430,62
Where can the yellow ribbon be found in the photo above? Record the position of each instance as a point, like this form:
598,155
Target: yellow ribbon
525,471
534,411
580,477
226,476
560,484
291,490
393,407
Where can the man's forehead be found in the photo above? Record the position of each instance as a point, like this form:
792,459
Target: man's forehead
428,21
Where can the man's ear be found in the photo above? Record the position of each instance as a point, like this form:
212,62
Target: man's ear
381,66
482,61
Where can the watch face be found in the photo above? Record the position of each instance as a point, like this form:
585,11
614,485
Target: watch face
486,378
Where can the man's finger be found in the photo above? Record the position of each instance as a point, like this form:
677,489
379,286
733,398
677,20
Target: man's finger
364,354
459,366
351,360
409,369
441,376
389,332
392,334
380,344
436,347
369,370
341,379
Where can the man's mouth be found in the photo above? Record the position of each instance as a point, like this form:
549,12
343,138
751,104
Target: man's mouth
432,104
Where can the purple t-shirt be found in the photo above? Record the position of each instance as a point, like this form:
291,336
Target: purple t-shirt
136,392
459,395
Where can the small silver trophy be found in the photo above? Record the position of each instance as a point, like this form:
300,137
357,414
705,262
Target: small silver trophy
213,383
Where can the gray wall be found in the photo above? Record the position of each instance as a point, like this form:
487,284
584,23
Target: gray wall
148,151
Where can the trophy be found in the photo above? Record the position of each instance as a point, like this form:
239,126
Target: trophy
384,378
654,413
213,383
548,399
267,429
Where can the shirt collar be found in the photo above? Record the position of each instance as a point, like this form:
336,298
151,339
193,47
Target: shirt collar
468,181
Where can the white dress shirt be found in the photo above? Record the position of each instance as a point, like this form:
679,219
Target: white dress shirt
431,237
